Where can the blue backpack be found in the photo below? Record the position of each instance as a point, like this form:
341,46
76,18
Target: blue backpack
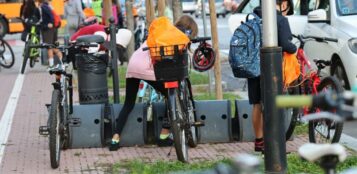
244,50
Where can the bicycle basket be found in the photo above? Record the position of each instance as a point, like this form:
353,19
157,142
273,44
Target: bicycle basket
171,64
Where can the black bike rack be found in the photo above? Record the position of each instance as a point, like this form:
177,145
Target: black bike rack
243,114
216,114
86,126
134,131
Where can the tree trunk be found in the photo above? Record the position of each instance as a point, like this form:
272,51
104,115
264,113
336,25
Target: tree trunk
217,64
150,11
130,24
161,7
107,9
177,9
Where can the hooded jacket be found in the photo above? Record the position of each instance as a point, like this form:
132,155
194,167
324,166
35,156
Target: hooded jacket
284,32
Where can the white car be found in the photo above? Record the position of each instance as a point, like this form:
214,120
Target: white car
322,18
189,6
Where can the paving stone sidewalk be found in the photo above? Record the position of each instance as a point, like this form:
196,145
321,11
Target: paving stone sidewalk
28,152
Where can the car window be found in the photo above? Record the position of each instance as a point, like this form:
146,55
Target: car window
250,6
346,7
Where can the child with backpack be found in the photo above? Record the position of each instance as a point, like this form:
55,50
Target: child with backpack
244,58
140,67
48,30
254,87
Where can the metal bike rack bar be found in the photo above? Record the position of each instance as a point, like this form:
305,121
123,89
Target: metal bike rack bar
216,114
86,126
134,131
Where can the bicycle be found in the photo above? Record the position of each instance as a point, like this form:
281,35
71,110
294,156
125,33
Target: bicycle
171,67
327,156
32,53
311,82
61,106
7,56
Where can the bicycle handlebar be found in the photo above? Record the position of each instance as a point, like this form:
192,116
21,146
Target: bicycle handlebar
200,39
56,45
302,38
195,40
326,100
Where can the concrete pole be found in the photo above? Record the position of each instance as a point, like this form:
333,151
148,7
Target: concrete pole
217,64
161,7
203,14
107,9
271,85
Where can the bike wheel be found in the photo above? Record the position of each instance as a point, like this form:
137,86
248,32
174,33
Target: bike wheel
178,131
293,113
191,117
326,131
26,56
32,63
7,58
54,129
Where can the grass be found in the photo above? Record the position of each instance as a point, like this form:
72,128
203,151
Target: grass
295,165
301,129
196,78
138,167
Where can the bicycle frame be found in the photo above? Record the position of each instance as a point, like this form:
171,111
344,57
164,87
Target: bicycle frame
307,74
33,37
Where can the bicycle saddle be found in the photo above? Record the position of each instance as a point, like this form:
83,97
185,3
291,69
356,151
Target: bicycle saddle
313,152
90,39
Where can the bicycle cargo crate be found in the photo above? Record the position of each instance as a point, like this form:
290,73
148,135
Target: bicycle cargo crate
172,64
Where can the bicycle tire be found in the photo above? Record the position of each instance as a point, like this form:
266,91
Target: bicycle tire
294,115
25,58
32,62
334,83
192,139
3,63
178,131
54,129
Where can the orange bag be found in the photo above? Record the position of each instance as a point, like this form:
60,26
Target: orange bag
291,68
163,33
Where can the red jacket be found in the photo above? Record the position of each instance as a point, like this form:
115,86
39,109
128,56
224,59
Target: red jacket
88,30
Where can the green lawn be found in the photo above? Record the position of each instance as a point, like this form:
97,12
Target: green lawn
295,165
196,78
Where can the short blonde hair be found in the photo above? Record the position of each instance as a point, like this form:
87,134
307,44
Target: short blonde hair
188,23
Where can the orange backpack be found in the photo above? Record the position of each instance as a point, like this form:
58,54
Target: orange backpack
56,19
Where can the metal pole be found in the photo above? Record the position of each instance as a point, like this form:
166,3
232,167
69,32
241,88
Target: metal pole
203,14
271,85
217,64
114,55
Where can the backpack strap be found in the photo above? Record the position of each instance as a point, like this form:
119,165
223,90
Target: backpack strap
255,16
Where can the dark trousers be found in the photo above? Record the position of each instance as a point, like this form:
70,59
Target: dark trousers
131,90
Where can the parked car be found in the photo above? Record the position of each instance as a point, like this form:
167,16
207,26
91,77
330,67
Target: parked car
220,8
231,5
189,6
322,18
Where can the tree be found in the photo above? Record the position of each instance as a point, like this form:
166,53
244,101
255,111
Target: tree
177,9
130,23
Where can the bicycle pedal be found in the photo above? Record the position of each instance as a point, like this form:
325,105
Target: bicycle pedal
198,123
44,130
